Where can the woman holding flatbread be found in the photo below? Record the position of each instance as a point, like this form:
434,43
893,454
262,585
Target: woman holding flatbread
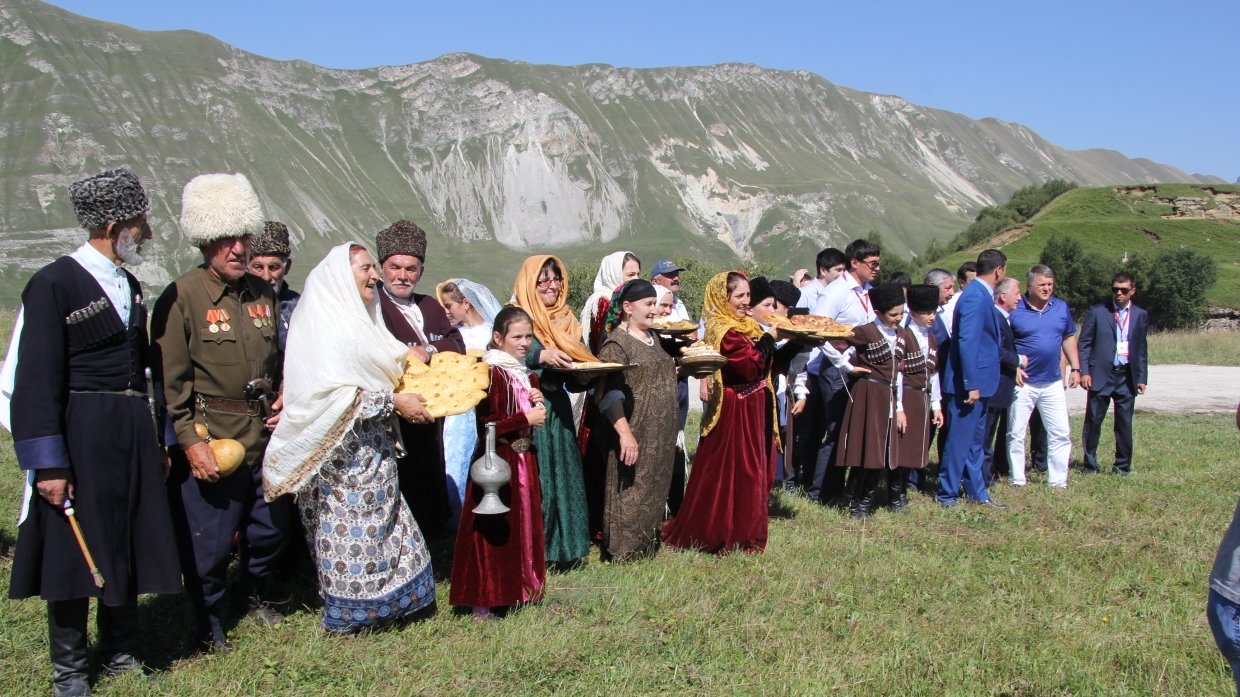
725,505
472,308
634,439
541,289
335,448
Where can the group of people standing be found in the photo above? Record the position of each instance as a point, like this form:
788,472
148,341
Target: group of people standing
119,430
994,359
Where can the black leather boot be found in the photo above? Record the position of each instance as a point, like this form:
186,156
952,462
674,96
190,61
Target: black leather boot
209,630
854,493
118,638
862,506
897,489
66,634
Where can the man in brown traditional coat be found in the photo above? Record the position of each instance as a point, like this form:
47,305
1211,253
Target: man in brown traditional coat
421,322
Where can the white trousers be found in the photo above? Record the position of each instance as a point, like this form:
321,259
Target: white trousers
1050,399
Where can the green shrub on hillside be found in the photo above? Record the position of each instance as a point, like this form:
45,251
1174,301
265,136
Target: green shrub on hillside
1172,287
1023,205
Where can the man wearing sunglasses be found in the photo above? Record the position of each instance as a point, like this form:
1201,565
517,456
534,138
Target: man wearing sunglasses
1114,368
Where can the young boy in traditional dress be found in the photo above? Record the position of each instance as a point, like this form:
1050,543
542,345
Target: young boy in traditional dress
500,559
920,395
874,418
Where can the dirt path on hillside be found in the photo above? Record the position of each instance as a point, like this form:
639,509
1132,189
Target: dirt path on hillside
1173,389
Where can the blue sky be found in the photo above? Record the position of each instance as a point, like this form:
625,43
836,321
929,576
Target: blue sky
1149,79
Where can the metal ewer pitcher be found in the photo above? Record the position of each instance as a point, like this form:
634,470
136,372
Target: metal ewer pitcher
491,472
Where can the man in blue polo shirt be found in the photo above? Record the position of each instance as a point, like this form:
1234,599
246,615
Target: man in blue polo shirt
1044,330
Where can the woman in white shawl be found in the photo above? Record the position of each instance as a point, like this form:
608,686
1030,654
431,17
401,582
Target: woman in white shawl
472,308
613,270
335,448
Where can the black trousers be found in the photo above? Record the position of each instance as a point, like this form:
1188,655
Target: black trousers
676,491
1116,390
828,400
994,448
208,515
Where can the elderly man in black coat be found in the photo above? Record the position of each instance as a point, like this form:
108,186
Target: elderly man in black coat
84,433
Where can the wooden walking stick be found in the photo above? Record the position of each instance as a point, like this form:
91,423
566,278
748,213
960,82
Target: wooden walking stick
77,532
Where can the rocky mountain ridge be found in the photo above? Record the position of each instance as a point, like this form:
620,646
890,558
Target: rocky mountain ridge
494,157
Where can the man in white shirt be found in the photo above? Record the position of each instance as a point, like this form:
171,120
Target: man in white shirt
831,263
845,300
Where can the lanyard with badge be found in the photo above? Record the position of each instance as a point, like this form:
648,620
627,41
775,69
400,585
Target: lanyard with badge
1121,334
863,298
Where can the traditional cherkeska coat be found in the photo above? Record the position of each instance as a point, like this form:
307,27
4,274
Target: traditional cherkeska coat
913,446
80,402
867,437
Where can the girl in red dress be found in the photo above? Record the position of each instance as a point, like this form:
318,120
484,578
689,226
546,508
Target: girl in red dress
725,505
500,559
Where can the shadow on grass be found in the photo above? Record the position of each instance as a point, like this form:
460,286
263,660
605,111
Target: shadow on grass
780,506
7,543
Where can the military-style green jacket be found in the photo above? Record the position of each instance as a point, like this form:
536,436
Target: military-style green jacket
211,339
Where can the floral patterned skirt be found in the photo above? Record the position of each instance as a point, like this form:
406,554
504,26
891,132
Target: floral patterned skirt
372,561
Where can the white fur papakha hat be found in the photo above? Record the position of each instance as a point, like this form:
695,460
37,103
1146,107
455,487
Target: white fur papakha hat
216,206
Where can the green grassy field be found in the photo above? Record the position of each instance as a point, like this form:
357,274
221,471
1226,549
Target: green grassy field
1096,590
1114,224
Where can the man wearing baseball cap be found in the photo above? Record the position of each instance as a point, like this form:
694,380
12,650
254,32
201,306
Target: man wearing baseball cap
666,273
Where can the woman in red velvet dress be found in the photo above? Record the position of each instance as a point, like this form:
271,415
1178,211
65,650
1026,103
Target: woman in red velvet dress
500,559
725,504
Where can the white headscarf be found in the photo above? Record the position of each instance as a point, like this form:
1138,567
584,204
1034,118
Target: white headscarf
480,297
610,275
336,347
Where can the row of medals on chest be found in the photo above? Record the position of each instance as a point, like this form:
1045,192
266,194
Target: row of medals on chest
218,319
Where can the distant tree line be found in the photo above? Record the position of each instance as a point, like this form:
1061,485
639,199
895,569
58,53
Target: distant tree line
994,219
1171,285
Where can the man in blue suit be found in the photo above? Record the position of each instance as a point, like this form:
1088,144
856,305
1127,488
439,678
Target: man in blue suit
1115,367
970,378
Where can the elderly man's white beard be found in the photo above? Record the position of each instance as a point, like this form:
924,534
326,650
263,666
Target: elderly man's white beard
129,249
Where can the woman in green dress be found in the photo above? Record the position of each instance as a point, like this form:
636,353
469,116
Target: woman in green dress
541,289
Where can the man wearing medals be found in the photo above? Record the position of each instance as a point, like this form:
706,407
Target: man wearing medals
423,325
1114,368
271,260
846,300
214,332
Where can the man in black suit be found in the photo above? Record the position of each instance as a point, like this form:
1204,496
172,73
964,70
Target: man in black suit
1115,368
1011,374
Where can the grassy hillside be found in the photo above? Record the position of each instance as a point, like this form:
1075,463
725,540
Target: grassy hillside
1096,590
1120,222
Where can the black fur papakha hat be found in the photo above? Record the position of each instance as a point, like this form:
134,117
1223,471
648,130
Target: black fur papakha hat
759,290
786,293
886,296
272,241
923,298
401,237
114,195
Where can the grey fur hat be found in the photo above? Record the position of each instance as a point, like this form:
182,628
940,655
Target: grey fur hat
217,206
401,237
114,195
272,241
